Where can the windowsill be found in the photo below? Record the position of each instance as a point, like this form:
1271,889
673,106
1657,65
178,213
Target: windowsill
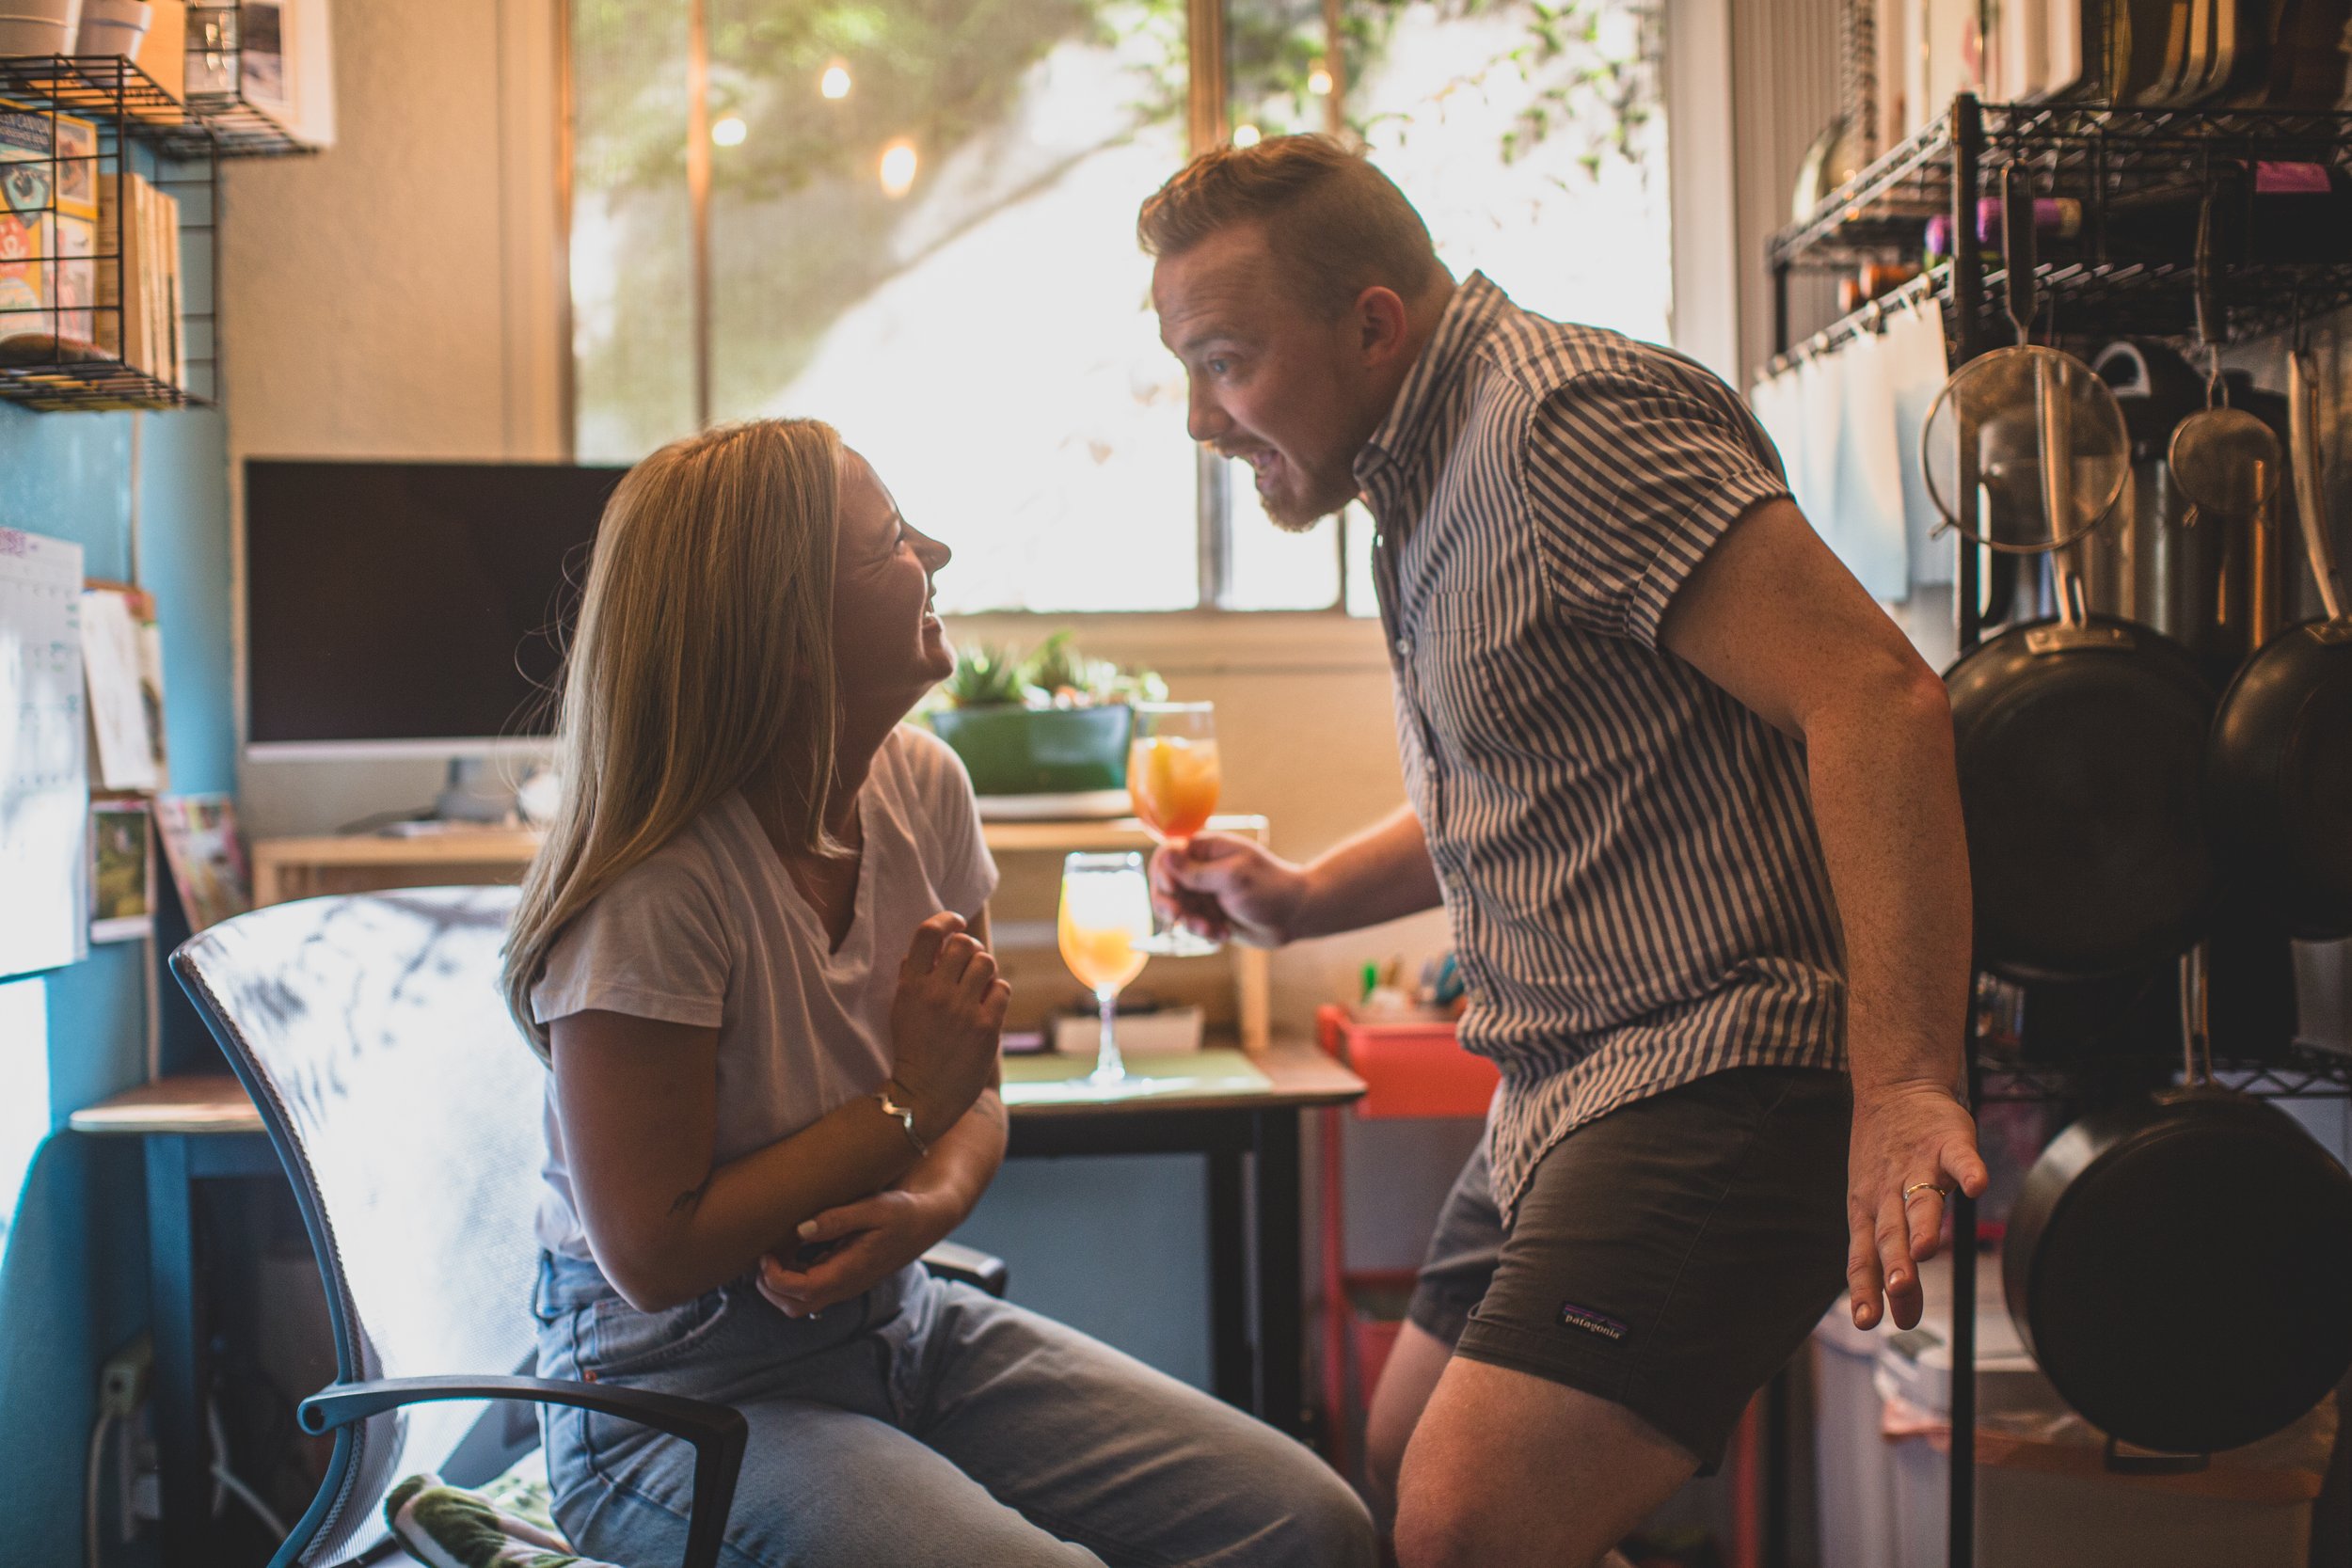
1195,641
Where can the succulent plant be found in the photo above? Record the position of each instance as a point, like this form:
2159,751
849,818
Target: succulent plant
1057,666
1055,675
985,676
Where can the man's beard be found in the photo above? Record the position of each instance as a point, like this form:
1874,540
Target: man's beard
1300,515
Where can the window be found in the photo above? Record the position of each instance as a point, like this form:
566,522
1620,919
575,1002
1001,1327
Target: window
914,218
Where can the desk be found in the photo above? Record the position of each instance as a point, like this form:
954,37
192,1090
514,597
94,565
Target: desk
204,1128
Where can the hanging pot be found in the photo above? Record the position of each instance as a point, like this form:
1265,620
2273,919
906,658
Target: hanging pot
2079,740
2180,1266
2278,768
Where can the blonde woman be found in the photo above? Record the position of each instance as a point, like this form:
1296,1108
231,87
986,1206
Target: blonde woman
755,953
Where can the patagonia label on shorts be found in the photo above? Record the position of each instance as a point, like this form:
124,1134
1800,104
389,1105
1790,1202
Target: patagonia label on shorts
1591,1322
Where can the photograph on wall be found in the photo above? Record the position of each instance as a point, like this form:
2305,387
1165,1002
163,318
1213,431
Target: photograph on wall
125,692
122,870
262,28
206,857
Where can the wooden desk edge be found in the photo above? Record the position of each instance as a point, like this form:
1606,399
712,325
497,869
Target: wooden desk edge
196,1102
492,845
217,1102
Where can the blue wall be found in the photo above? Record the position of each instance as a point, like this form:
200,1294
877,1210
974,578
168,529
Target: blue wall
73,1275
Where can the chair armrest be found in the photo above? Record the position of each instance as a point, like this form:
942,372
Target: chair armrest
954,1261
718,1431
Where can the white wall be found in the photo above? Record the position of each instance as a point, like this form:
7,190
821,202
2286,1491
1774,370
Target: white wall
399,296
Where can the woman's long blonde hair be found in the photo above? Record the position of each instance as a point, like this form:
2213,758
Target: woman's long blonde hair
702,657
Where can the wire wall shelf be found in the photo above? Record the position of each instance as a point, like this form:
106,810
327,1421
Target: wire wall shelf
75,340
2301,1072
108,87
2104,159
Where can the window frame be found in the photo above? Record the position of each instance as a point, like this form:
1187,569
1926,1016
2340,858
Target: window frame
1207,111
1691,90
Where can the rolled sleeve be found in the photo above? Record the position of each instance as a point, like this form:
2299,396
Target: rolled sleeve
1630,479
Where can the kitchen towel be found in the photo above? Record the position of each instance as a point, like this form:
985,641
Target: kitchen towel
1866,526
1916,370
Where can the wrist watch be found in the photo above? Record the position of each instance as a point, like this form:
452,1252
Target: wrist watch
904,1117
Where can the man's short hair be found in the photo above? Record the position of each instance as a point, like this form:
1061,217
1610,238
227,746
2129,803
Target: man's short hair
1337,224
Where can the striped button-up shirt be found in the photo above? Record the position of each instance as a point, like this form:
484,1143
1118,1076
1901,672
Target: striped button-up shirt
1628,854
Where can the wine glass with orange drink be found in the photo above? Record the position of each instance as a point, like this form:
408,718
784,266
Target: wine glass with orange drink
1106,915
1172,781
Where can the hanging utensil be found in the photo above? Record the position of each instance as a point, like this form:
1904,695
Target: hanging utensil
2225,460
2278,768
2180,1265
1985,446
2078,739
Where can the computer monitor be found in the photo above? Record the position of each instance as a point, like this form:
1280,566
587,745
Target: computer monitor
415,608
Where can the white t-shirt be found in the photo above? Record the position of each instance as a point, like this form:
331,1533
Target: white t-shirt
710,930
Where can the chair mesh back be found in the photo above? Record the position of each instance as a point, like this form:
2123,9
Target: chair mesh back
406,1105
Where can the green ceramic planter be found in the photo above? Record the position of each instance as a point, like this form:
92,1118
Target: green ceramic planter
1020,750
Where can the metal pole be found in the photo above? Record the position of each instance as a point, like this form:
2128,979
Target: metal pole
1967,263
1780,308
698,193
1968,298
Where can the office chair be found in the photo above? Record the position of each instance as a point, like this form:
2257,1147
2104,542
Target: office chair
372,1032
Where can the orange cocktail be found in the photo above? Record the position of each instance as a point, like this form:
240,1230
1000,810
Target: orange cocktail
1172,772
1102,957
1105,916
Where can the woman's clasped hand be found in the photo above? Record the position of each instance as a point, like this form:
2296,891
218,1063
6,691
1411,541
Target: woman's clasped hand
945,1022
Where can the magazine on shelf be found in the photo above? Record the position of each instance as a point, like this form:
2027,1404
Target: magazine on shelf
48,215
206,857
123,869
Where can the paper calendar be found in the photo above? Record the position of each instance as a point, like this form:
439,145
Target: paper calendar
44,770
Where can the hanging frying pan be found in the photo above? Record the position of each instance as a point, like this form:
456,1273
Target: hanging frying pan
2080,739
2279,769
2180,1266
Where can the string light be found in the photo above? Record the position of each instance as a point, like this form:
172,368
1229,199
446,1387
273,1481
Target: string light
1319,80
897,167
835,83
729,132
1245,135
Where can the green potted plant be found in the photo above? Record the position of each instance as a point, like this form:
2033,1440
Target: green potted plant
1054,723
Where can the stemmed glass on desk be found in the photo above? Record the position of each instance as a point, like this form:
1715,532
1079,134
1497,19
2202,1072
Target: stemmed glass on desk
1105,916
1172,781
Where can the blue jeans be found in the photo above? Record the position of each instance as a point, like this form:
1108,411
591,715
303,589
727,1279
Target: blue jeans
923,1423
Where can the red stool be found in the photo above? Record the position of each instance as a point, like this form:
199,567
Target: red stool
1411,1067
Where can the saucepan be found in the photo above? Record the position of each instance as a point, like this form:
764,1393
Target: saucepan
2181,1265
2279,769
